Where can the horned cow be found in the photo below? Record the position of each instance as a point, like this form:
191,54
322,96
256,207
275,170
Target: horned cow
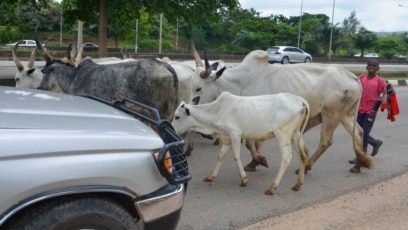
148,81
185,71
332,92
29,76
232,117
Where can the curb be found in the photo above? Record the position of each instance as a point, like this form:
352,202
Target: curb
398,82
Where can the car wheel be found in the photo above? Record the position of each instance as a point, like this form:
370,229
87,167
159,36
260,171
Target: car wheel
83,212
307,60
285,60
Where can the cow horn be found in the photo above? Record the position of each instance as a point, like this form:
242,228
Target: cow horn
207,72
32,58
15,58
73,52
69,59
48,58
196,57
79,54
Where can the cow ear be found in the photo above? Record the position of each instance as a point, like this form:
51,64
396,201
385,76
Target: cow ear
30,71
219,72
187,111
182,103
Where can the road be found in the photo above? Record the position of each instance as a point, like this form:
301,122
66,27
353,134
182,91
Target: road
223,204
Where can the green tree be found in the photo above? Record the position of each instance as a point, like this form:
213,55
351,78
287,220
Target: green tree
349,27
389,46
252,32
8,14
364,40
197,13
351,24
315,35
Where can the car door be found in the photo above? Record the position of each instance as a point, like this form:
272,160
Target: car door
298,55
30,43
289,53
292,54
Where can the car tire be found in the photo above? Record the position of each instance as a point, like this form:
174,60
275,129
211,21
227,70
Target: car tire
285,60
307,60
83,212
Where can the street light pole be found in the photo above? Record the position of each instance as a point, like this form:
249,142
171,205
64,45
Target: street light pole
331,31
61,26
300,22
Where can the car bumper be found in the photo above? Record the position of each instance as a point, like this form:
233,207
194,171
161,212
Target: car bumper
169,200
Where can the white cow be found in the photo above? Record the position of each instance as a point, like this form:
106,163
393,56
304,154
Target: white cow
232,117
185,71
29,76
332,92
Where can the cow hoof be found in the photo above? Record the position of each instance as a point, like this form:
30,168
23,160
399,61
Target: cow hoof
355,170
243,184
267,192
207,180
262,161
251,167
296,188
188,153
216,142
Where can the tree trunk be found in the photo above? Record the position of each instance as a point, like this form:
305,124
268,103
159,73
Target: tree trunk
102,30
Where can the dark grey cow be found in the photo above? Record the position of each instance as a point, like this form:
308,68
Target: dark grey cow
148,81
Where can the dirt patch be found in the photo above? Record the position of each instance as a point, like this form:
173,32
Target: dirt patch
382,206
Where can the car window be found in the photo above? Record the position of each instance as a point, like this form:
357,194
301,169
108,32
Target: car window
31,42
290,49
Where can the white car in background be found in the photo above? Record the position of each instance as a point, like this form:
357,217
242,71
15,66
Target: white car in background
367,55
287,55
24,43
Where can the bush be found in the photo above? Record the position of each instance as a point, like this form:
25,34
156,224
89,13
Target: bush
231,48
7,35
389,54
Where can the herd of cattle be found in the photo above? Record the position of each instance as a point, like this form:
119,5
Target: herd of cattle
253,101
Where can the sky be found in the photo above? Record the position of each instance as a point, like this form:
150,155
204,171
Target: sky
374,15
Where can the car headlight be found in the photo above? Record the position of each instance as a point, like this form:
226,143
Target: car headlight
165,161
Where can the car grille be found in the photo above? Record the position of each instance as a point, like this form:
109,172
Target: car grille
174,144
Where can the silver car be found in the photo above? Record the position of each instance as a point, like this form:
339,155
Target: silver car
288,54
80,162
24,43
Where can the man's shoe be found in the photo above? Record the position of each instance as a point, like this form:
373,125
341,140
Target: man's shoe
353,161
376,147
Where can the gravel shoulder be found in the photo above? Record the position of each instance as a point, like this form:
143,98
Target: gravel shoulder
382,206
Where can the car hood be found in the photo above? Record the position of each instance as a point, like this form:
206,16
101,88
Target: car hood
64,122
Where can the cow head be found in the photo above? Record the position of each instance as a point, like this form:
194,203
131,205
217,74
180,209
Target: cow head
203,84
26,77
181,119
52,67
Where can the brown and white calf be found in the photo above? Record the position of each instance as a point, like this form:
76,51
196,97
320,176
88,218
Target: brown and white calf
232,118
